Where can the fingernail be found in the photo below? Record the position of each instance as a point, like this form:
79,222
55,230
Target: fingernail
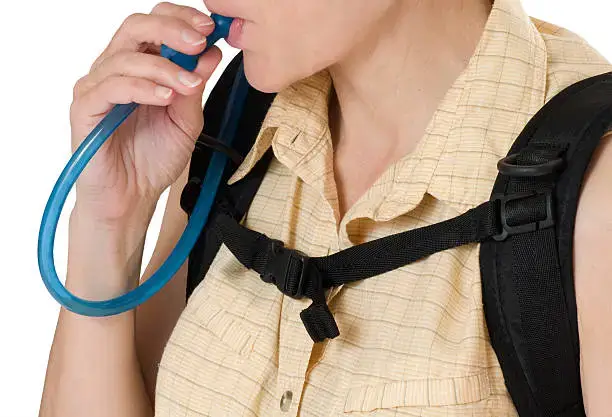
189,79
163,92
202,22
193,37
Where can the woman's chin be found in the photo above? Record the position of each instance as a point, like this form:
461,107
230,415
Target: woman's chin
262,77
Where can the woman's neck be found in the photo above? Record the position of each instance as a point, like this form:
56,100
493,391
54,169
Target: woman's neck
387,89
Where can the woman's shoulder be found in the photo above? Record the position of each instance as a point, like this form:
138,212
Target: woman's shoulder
570,58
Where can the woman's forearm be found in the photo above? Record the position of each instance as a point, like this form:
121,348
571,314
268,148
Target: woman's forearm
93,368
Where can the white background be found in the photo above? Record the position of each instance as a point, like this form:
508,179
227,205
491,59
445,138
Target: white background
46,47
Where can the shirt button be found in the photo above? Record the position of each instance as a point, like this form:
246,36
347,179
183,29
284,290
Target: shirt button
285,401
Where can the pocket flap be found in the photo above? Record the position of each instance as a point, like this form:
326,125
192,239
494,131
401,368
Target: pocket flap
224,326
419,393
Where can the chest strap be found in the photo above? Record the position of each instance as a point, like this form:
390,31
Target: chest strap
297,275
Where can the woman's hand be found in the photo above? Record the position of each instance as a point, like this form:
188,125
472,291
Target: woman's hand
151,148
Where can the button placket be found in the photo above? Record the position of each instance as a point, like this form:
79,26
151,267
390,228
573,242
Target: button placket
295,347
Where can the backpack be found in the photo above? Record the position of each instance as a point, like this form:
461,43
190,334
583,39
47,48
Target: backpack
525,230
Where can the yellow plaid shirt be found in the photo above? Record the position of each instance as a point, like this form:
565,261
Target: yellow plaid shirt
413,342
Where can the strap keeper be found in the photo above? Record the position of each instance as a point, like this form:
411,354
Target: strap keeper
319,322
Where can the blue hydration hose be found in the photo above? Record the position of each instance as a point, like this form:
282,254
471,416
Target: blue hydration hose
197,220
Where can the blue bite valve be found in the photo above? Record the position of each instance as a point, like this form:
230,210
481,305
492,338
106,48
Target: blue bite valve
190,62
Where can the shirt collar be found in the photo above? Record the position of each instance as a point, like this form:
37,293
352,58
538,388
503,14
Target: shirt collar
295,123
501,88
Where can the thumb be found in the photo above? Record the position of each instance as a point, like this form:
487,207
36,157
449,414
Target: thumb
186,110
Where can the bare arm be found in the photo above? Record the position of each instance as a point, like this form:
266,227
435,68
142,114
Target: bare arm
106,366
93,369
156,318
593,280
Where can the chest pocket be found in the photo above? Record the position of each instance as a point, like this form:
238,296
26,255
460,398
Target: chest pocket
211,365
226,328
419,393
235,309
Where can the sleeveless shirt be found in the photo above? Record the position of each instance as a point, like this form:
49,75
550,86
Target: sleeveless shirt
413,342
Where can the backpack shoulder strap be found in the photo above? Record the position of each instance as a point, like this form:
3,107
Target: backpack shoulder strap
236,198
527,272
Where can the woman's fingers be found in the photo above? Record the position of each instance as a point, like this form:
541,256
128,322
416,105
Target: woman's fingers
137,64
126,73
139,30
144,79
199,20
186,110
118,89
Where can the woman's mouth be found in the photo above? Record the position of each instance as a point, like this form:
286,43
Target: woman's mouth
234,38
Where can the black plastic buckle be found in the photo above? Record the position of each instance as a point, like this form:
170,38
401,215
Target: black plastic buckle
508,230
507,166
278,269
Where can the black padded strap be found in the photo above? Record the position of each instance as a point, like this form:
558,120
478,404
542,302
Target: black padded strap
528,288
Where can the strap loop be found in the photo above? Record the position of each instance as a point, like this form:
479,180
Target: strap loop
509,166
219,146
319,322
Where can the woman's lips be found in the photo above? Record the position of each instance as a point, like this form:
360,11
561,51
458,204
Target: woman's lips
235,34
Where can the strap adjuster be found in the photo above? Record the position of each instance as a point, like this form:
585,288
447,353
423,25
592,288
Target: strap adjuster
287,268
508,230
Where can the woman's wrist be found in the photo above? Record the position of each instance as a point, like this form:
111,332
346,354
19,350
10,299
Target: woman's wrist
107,214
104,257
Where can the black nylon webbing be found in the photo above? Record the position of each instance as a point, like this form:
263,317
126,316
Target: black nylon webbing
233,201
371,258
258,252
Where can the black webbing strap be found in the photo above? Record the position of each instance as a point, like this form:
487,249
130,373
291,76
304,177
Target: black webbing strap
216,145
234,199
298,276
528,288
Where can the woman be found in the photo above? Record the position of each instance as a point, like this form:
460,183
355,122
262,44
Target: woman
391,115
